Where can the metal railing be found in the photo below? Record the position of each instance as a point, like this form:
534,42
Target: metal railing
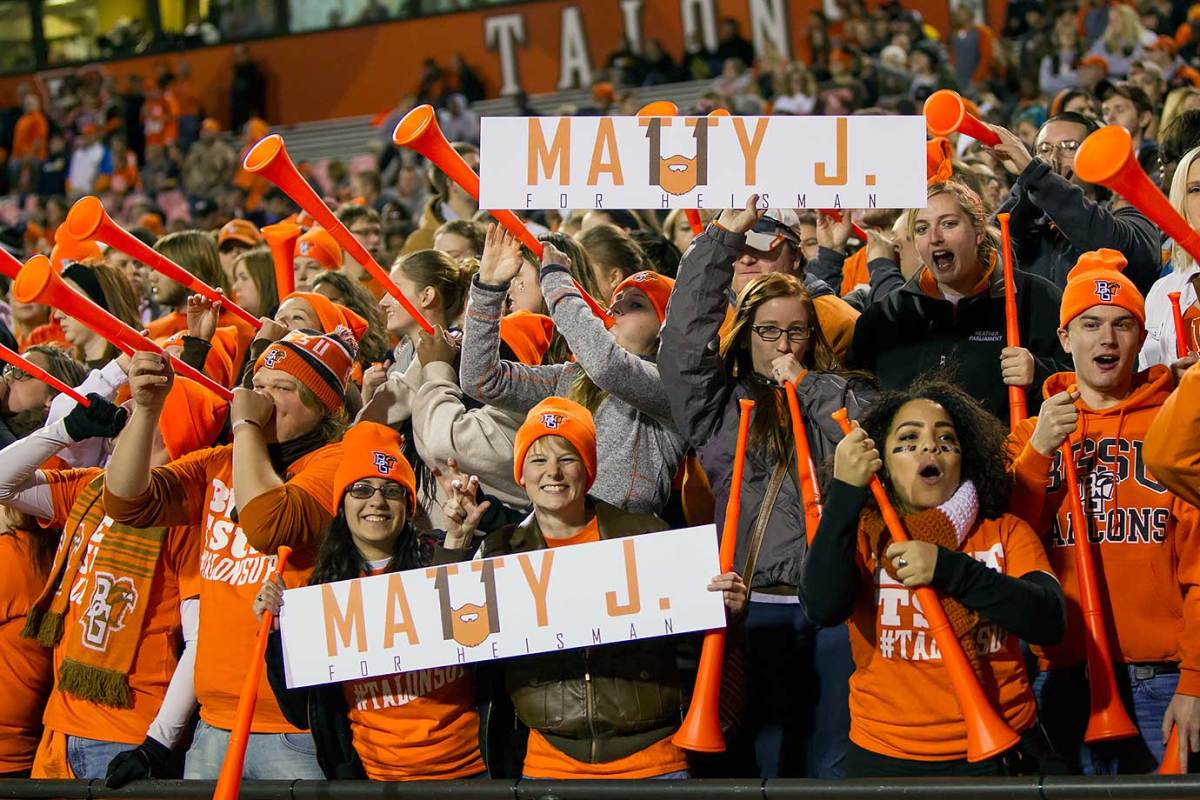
1126,787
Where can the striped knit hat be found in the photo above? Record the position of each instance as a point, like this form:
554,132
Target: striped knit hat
322,362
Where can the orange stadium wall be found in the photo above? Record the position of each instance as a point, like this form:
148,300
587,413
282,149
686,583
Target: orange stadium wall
538,46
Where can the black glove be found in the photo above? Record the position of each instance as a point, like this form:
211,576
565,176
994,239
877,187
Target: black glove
147,760
101,418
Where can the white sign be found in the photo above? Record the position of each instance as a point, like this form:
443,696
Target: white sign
617,590
702,162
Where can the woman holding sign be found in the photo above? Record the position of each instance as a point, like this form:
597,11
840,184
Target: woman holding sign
410,726
775,339
943,469
598,712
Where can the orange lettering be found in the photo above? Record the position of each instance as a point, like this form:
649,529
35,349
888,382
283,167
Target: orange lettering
540,154
539,584
341,626
398,600
616,609
838,178
750,146
606,145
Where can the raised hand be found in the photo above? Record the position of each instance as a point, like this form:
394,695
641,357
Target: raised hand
502,257
740,220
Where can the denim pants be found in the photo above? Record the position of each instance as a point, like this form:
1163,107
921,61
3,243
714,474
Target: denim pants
89,757
269,756
797,693
1064,709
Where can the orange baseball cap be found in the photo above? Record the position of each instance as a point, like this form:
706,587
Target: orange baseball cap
319,245
557,416
239,230
211,125
152,222
656,287
1094,61
371,450
1097,279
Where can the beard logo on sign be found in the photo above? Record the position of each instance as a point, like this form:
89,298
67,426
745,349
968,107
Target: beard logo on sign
678,174
469,624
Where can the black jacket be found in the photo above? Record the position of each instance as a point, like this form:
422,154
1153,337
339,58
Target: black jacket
909,332
1053,223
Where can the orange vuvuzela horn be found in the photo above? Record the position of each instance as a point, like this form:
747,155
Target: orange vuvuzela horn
1017,409
988,734
946,113
701,728
230,780
810,499
836,215
419,132
281,238
1108,719
1106,158
1181,349
87,220
1171,763
10,266
24,364
39,283
270,159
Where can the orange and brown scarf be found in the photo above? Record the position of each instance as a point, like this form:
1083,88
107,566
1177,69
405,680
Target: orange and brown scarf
115,592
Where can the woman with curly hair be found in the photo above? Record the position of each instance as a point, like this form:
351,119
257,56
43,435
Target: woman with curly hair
944,469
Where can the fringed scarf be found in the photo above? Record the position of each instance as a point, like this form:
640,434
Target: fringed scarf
116,592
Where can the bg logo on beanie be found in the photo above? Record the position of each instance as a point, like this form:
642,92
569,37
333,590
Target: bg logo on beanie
383,462
1107,290
273,357
552,421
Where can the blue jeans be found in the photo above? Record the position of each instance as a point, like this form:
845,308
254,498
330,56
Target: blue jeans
89,757
1064,708
797,693
269,756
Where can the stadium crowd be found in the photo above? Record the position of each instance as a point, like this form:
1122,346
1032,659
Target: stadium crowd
141,528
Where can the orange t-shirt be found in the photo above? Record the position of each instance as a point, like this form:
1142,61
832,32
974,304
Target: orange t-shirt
30,135
158,646
902,703
187,104
544,760
231,569
158,121
125,176
854,272
419,725
588,533
26,674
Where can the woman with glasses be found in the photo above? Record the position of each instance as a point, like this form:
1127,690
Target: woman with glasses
796,729
419,725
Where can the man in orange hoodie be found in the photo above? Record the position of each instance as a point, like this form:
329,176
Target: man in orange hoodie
1145,541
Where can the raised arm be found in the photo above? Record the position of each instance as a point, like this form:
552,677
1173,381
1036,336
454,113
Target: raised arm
689,359
611,367
483,375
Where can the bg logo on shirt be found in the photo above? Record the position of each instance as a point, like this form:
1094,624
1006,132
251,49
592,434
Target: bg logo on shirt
111,601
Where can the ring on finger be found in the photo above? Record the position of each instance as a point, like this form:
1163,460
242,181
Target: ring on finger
901,563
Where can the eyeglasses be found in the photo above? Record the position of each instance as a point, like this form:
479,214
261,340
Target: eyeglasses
390,491
17,374
1046,149
770,333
